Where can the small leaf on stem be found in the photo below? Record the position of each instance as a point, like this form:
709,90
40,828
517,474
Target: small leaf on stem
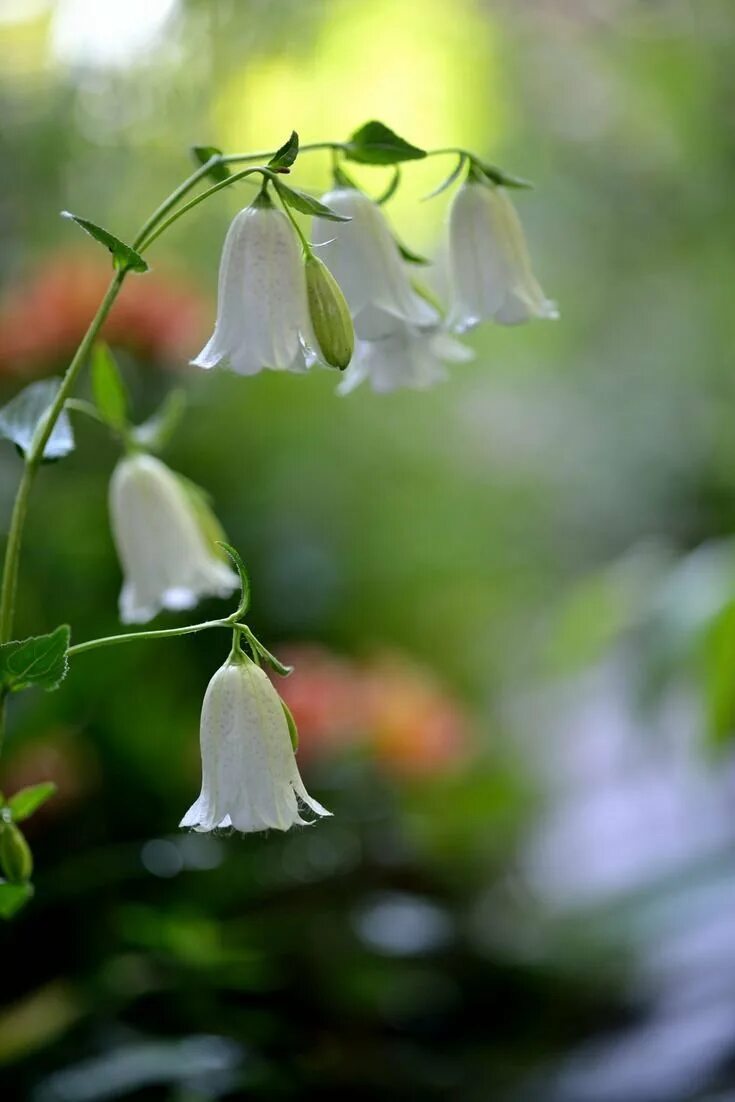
376,144
307,204
28,800
124,257
204,153
286,155
38,661
22,417
108,389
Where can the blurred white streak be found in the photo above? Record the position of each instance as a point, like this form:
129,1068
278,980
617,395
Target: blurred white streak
113,33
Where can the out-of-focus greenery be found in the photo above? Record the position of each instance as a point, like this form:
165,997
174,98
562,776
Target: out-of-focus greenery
568,495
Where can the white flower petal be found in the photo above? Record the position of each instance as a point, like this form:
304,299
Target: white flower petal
262,308
167,561
250,779
363,257
491,270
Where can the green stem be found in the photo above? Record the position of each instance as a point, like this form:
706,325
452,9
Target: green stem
33,461
159,229
133,636
264,155
172,200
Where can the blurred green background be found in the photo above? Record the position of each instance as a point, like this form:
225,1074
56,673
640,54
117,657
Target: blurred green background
510,600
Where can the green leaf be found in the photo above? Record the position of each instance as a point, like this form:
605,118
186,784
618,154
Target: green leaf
244,579
286,155
107,387
28,800
409,256
40,660
204,153
391,189
13,897
293,730
265,653
124,257
307,204
21,419
453,175
376,144
155,433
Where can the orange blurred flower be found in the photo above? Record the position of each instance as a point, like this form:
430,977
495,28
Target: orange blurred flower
388,705
43,319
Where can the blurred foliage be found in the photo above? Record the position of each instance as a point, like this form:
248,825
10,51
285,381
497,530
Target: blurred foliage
566,497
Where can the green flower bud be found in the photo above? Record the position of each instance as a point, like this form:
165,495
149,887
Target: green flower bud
16,858
330,314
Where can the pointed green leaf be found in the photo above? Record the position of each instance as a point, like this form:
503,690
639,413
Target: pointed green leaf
293,730
124,257
244,579
155,433
107,387
204,153
376,144
391,189
40,660
306,203
13,897
287,154
28,800
21,419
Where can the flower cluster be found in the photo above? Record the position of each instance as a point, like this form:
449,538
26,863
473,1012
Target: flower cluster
281,307
356,307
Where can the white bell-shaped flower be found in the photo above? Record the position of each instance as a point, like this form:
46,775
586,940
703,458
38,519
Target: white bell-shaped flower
364,258
491,272
392,355
160,530
262,311
250,780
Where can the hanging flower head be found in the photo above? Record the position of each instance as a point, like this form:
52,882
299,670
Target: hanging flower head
163,530
250,780
262,311
490,267
364,258
392,355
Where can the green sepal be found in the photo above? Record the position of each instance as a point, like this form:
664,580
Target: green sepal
124,257
482,172
293,731
244,579
16,859
307,204
108,388
204,153
453,175
201,504
21,419
258,648
27,801
391,189
409,255
40,661
155,433
13,897
286,155
341,178
376,144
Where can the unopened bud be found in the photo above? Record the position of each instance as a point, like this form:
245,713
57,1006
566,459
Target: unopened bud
16,858
330,314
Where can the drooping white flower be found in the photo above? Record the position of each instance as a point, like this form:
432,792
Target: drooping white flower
250,780
392,355
490,267
159,531
365,260
262,311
